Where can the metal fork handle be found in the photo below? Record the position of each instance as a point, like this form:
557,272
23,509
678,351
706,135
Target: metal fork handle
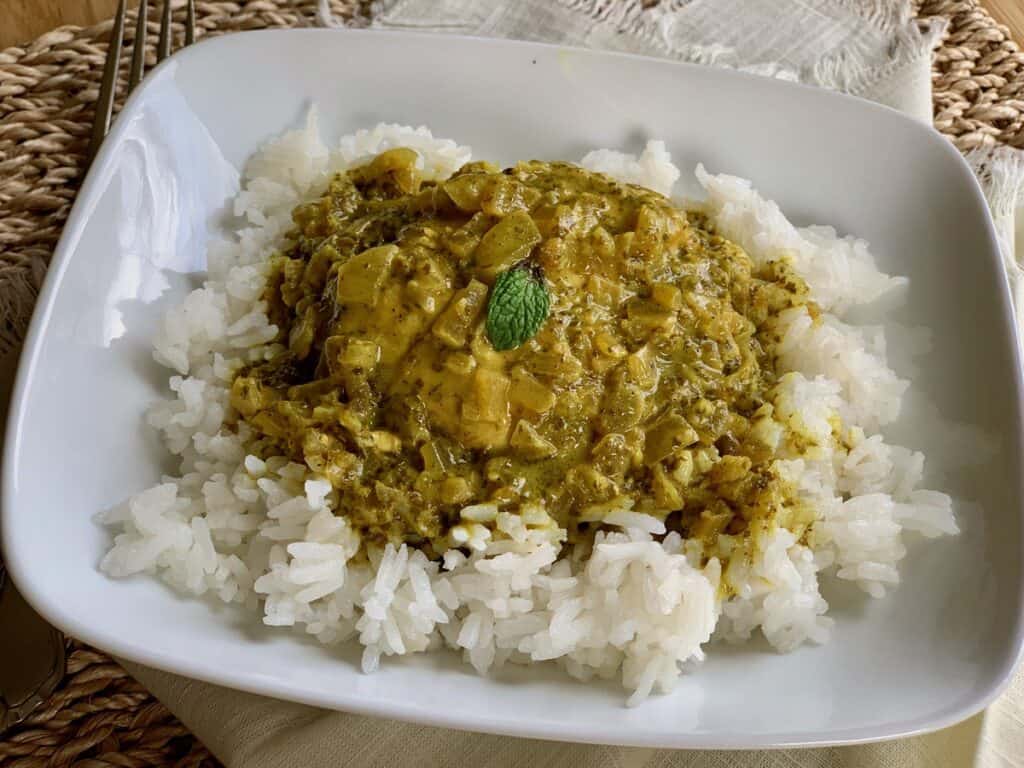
32,659
31,652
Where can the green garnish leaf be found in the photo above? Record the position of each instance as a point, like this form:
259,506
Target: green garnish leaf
518,306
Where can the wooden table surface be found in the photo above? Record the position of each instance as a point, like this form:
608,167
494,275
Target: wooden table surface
23,20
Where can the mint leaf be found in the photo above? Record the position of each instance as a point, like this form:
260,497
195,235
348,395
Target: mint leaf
518,306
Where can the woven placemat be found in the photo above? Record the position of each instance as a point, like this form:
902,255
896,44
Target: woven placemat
100,716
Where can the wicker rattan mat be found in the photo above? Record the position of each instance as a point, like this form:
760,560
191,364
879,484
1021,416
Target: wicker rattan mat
100,716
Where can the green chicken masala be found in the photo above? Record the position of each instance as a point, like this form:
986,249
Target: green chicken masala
537,335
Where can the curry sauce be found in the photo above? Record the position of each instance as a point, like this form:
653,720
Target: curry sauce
646,382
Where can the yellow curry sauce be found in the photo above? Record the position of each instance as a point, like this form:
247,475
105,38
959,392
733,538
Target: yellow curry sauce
646,382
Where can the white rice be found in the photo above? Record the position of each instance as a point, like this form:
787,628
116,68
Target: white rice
268,534
652,169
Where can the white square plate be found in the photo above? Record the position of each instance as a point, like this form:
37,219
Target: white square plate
934,652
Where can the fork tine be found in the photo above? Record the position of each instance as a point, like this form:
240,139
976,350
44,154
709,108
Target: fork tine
139,47
163,48
108,86
190,22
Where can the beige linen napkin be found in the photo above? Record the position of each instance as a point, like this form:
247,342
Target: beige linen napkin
248,731
870,48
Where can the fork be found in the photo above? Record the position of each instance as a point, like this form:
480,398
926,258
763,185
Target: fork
108,86
32,661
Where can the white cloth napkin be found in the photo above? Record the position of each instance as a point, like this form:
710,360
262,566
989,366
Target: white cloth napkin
870,48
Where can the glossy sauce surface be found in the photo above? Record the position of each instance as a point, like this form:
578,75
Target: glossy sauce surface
646,385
